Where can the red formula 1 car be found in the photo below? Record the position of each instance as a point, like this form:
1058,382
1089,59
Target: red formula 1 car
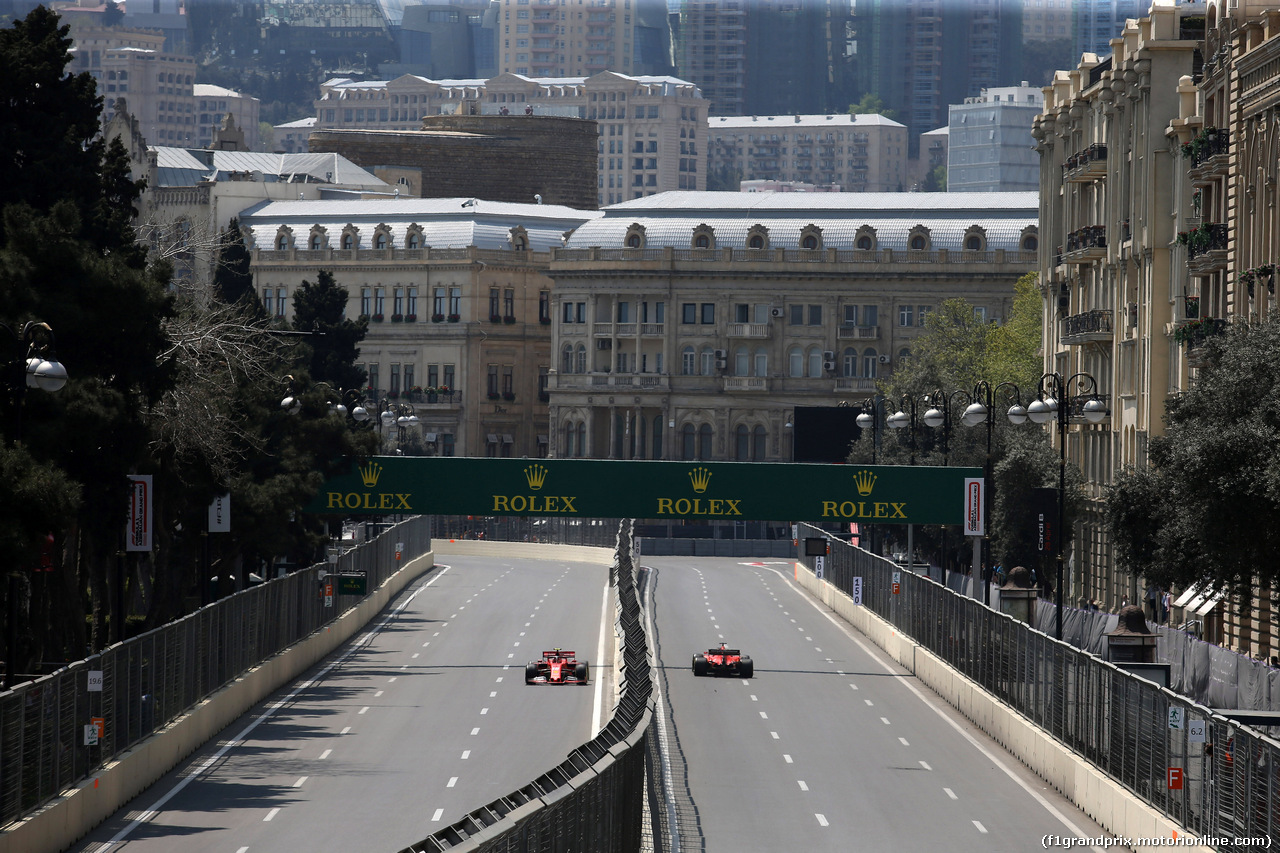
557,667
723,661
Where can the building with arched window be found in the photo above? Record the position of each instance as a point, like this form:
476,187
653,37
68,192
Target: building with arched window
696,322
458,306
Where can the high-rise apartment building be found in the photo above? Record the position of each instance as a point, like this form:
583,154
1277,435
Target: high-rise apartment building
1046,20
858,153
990,146
920,56
1097,22
652,129
766,57
579,38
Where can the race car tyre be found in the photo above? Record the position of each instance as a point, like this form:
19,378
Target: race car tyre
700,666
581,672
530,673
745,667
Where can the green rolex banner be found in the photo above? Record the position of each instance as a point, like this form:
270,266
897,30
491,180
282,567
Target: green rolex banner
597,488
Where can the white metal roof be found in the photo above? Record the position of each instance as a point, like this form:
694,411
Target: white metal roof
670,218
445,222
784,121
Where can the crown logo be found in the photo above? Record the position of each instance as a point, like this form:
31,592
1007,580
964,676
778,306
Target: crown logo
536,475
865,481
700,477
370,473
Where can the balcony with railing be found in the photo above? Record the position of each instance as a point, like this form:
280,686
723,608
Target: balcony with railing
1089,326
858,333
856,384
596,381
758,331
1209,152
746,383
1195,334
1206,246
1089,164
430,399
1085,245
1076,411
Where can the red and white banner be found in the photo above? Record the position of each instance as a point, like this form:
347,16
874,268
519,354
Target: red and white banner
138,533
975,519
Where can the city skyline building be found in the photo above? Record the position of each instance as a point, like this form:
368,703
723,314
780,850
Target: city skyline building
860,153
920,56
580,38
766,57
652,130
990,148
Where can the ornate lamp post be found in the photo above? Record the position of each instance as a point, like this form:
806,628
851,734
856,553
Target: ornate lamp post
871,417
33,364
1054,400
979,412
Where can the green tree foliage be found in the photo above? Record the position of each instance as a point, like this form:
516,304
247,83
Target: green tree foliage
232,280
68,258
1205,510
936,180
872,104
946,363
320,309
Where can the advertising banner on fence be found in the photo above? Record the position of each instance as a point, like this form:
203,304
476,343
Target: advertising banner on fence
975,519
138,533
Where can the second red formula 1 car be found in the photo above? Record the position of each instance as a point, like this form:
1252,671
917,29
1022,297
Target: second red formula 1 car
723,661
557,667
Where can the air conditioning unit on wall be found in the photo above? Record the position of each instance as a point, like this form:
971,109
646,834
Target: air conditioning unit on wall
775,312
829,366
884,359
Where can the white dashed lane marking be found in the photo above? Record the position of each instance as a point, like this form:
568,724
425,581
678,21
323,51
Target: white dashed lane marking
325,754
271,814
822,819
951,793
437,814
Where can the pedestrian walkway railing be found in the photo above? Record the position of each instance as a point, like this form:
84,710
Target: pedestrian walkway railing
1216,778
55,730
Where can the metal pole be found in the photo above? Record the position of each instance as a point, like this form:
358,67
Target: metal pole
1062,501
11,634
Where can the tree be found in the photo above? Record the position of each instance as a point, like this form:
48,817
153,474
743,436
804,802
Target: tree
1204,512
232,280
936,180
320,309
872,104
958,351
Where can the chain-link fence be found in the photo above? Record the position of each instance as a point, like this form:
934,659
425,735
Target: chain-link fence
132,689
1216,778
593,802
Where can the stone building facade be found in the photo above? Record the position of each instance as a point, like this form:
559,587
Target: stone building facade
857,153
458,300
651,130
1113,277
500,158
690,325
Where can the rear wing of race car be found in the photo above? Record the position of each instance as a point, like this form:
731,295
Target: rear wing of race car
559,653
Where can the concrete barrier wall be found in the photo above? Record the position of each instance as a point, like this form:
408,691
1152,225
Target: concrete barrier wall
533,550
1113,806
80,809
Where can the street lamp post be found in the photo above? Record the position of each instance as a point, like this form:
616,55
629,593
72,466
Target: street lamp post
34,364
870,418
1052,389
939,415
979,412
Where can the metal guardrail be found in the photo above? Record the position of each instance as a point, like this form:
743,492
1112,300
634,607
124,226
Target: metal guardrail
149,681
593,801
1230,782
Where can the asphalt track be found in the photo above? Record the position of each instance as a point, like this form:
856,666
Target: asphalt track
830,746
423,717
